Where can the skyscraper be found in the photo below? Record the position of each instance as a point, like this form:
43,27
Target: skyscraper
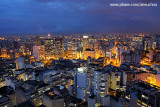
130,57
49,48
81,83
4,52
20,64
59,47
85,42
137,42
39,52
72,50
100,86
100,83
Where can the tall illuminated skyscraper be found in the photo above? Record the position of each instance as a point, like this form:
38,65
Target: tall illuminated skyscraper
85,42
4,52
59,48
49,48
147,42
137,42
39,52
100,86
20,64
38,49
81,82
72,50
118,54
96,49
100,83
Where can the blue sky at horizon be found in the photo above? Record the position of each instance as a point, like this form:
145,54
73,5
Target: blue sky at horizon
31,16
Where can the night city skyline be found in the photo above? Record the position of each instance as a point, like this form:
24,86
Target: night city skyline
79,53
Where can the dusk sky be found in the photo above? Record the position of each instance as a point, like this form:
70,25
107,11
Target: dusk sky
38,16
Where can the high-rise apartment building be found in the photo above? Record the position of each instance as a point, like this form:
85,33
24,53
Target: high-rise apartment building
39,52
85,42
100,83
49,48
81,83
132,57
20,64
4,52
72,50
147,95
147,42
137,42
59,47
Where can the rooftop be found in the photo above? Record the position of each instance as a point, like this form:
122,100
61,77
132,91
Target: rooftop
6,90
52,95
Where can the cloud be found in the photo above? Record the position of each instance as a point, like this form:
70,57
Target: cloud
76,15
